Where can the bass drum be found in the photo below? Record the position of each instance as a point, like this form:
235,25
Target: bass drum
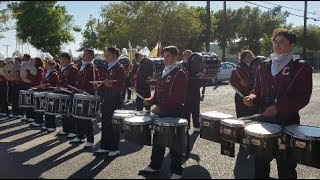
196,66
147,69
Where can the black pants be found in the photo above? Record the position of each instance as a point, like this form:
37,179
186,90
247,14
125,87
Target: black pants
126,90
68,125
244,168
85,129
38,117
30,113
4,102
158,155
193,107
110,136
143,88
50,121
286,167
14,96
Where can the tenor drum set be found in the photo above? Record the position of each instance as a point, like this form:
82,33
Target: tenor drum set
263,139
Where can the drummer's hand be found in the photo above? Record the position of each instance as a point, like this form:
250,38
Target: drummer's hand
271,111
147,101
156,110
42,86
107,83
248,101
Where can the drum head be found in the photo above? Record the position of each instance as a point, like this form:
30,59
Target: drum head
138,120
170,121
215,115
147,68
127,112
303,132
57,95
86,97
233,122
262,129
40,94
122,116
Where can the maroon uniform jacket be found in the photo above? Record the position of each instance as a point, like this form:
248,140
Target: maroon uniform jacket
2,80
116,72
241,73
52,79
171,91
69,76
38,78
289,90
85,77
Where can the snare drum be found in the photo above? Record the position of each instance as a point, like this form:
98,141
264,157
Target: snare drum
86,106
171,132
26,98
262,139
39,101
58,104
232,130
304,142
138,129
210,125
117,121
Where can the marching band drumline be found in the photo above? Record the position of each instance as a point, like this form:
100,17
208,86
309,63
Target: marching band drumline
77,102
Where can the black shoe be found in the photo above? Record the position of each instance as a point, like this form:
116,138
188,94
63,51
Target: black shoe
148,170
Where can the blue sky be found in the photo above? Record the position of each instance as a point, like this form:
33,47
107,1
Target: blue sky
81,11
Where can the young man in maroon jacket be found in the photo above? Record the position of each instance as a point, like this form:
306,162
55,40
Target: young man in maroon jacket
52,78
169,98
68,75
4,111
283,87
111,89
85,127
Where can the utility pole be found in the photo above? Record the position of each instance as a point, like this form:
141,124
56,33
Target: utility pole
7,49
224,39
304,54
208,27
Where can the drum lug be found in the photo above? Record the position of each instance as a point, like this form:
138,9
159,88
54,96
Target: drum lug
310,146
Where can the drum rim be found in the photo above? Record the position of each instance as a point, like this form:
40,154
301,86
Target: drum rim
82,117
25,90
202,115
158,122
262,135
115,115
40,94
86,97
26,106
62,114
53,94
222,122
299,137
138,123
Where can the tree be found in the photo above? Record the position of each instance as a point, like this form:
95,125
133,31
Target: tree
4,18
43,24
146,23
312,39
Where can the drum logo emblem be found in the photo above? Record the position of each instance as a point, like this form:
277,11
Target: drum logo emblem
255,142
80,105
227,131
300,144
51,103
206,124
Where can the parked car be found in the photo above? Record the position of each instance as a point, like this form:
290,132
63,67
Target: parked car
225,71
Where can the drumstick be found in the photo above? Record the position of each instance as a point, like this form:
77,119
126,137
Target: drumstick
78,90
237,91
137,93
94,77
99,82
250,117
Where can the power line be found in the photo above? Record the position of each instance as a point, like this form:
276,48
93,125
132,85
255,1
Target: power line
315,13
288,12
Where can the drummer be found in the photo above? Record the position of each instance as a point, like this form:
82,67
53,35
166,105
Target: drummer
242,80
68,75
85,127
114,82
283,87
36,81
4,111
169,98
51,79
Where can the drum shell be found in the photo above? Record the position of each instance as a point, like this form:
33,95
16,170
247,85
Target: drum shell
26,98
85,108
138,133
58,104
263,146
232,134
305,151
174,137
117,123
39,101
210,130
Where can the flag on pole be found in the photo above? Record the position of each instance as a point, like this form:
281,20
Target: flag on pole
159,50
130,55
154,52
